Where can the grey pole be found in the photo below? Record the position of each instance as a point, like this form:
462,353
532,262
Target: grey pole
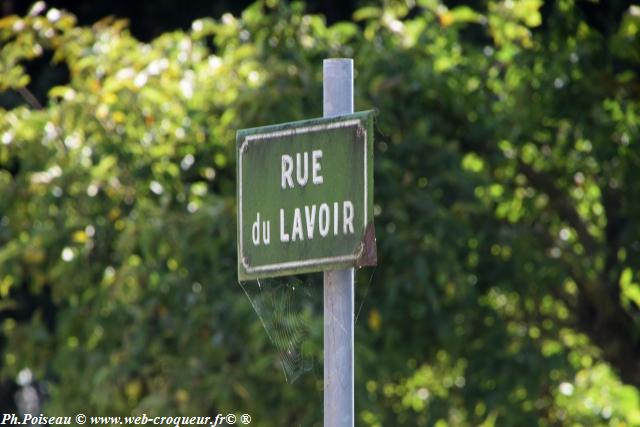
337,81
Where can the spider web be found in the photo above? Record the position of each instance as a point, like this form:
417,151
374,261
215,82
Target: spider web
291,312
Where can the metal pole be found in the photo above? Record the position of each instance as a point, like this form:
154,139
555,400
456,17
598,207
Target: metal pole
337,81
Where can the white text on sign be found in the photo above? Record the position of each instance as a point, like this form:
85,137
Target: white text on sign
309,221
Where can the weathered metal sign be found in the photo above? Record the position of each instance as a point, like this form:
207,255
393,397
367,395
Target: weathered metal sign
305,196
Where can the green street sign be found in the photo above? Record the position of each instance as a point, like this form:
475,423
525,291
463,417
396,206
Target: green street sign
305,196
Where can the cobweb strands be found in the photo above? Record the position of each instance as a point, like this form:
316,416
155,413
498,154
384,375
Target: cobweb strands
290,311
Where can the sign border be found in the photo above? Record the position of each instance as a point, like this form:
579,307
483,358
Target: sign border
363,123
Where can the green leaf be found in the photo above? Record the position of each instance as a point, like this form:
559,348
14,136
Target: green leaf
367,13
465,14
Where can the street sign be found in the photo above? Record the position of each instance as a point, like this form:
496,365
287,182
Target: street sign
305,196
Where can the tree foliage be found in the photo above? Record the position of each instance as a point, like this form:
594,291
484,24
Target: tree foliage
507,192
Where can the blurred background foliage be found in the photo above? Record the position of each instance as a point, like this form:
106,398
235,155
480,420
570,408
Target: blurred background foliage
507,191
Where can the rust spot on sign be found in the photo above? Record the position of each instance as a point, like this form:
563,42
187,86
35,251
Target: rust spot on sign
369,256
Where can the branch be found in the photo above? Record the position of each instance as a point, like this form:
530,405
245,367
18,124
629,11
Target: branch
30,98
562,204
598,310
